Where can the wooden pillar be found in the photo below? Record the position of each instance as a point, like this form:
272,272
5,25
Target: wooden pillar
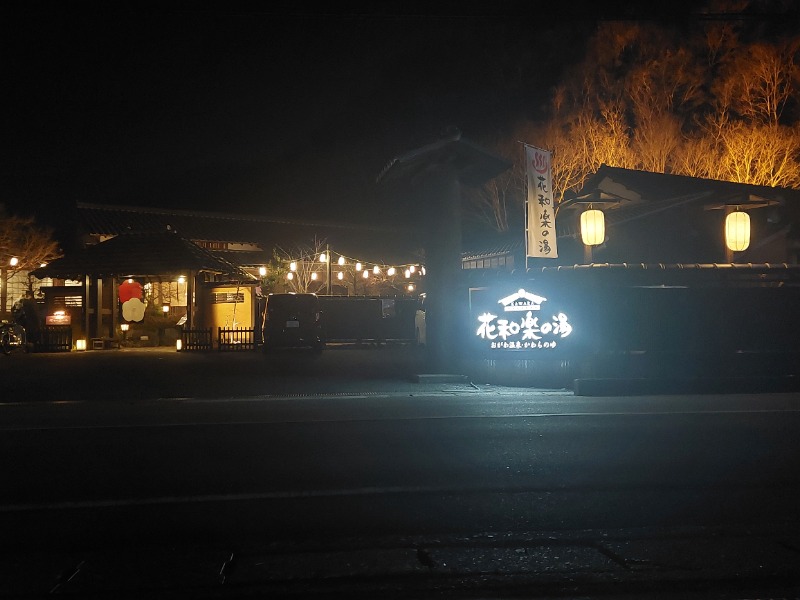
87,319
114,305
3,290
99,309
190,307
443,319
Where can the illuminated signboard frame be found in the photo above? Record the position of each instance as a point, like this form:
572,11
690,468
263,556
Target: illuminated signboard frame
529,319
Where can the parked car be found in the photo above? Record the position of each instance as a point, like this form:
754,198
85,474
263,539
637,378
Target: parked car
293,321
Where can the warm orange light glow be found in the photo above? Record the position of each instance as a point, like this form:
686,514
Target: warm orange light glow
737,231
593,227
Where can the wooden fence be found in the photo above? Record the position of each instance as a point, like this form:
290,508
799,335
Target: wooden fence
237,339
195,339
54,338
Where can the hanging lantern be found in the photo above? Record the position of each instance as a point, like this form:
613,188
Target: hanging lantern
737,231
593,227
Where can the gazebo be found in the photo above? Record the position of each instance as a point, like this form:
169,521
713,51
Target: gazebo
145,257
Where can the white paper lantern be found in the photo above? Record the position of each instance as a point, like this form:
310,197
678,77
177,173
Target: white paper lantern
737,231
593,227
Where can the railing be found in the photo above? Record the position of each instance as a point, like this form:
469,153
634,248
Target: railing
196,339
236,339
54,338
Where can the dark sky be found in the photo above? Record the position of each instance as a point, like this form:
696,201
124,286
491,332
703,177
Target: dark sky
279,111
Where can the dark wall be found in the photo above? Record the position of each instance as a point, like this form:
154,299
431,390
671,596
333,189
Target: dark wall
682,322
368,319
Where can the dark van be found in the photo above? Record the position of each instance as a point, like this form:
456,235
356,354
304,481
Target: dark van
293,321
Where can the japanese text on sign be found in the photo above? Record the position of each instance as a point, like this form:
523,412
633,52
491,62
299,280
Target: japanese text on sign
540,226
523,330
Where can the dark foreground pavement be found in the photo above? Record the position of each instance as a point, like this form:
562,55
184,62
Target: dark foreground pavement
156,474
161,372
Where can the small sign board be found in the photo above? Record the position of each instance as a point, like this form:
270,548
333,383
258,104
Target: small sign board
58,319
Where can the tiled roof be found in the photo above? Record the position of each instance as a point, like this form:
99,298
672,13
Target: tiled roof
631,194
500,249
379,242
139,254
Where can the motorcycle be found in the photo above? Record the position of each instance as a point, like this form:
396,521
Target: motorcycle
12,337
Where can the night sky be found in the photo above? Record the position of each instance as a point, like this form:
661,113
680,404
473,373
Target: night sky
280,111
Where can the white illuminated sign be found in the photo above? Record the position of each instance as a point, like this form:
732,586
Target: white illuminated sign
522,326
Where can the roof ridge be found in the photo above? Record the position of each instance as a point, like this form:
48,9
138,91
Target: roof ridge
225,216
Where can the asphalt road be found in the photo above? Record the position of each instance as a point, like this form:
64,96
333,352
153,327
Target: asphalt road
344,476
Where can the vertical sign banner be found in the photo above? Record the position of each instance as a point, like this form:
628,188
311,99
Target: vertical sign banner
540,225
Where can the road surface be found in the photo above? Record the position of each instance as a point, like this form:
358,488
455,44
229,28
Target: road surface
383,487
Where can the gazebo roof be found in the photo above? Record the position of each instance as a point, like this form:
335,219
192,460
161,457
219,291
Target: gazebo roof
139,255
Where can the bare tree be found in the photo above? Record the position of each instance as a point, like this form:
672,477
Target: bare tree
298,269
703,103
491,204
24,246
